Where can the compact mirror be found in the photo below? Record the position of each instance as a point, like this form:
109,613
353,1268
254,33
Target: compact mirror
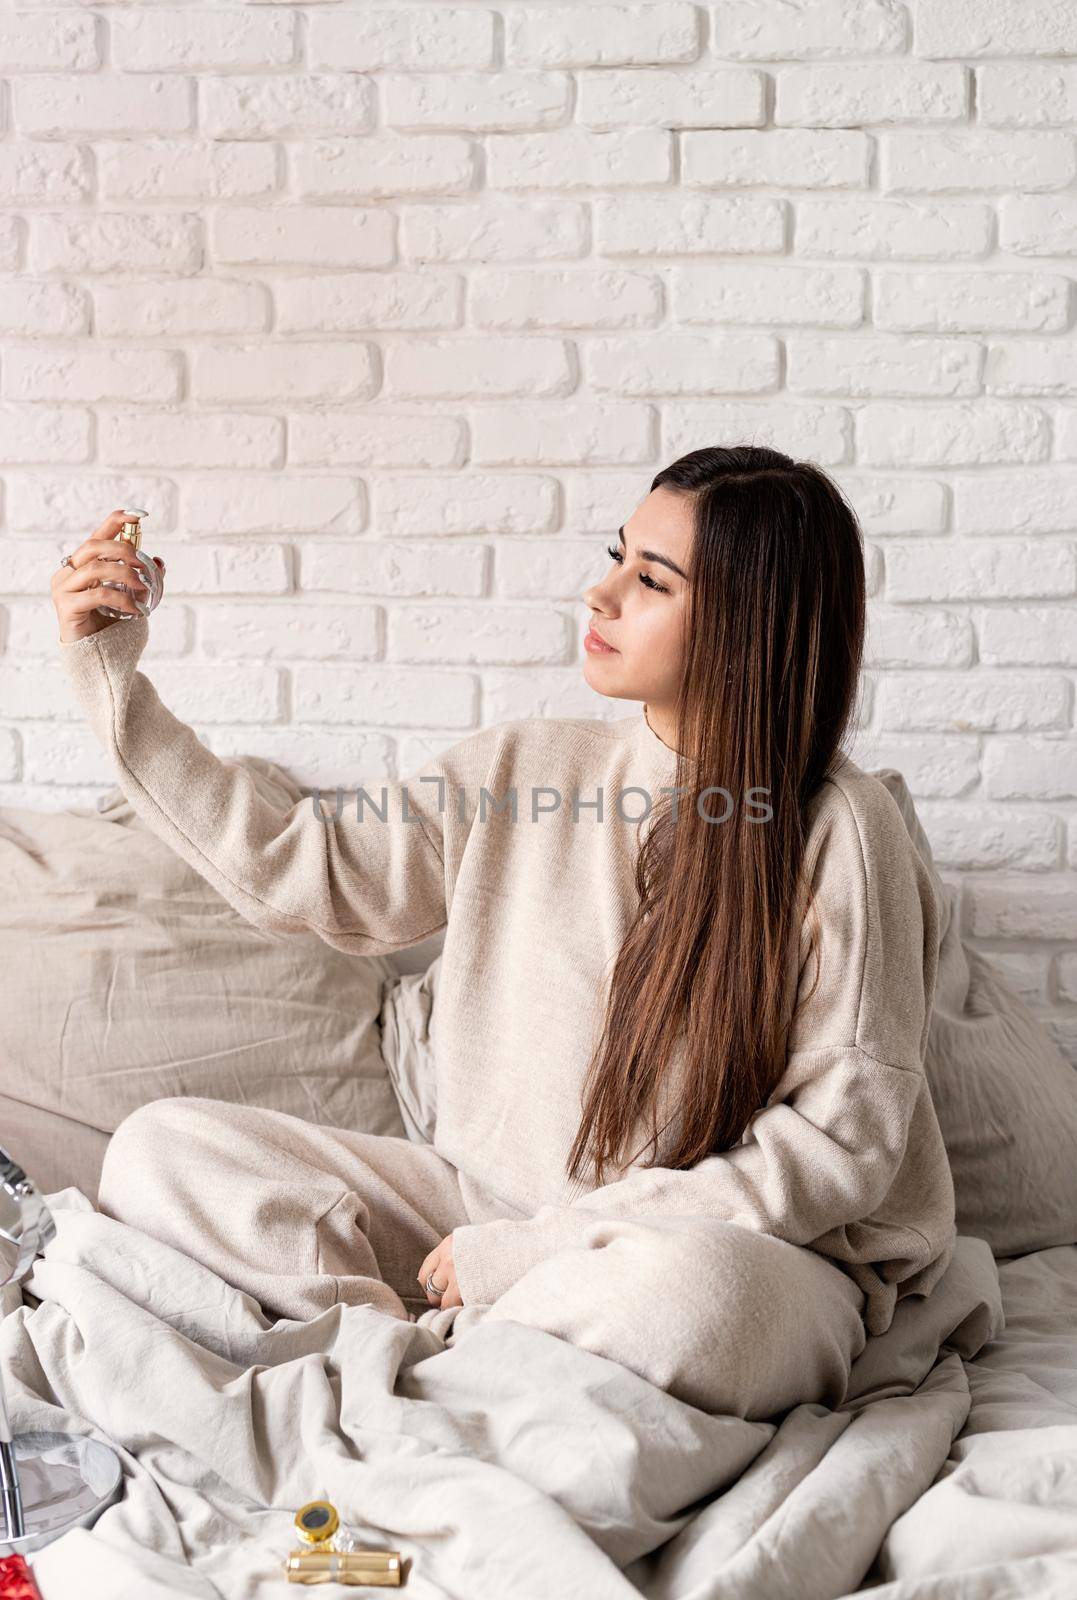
49,1482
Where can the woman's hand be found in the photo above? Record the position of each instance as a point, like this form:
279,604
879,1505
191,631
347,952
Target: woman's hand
439,1266
77,590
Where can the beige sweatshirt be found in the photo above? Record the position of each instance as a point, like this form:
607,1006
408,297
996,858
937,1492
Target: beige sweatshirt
846,1157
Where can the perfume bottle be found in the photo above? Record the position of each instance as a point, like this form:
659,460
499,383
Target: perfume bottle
131,530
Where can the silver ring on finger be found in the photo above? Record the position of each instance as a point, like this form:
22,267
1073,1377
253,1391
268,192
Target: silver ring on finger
67,562
432,1288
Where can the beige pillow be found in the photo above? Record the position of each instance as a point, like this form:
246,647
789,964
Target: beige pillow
129,978
1005,1095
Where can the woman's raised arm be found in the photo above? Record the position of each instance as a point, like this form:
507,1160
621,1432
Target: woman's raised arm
367,886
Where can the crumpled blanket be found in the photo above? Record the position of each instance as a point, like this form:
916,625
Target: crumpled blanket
512,1464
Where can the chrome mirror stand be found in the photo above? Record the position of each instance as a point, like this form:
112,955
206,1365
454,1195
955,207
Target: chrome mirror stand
49,1482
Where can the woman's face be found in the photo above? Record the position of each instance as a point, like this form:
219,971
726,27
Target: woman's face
639,605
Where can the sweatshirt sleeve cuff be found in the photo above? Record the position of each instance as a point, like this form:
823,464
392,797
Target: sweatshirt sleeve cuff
489,1257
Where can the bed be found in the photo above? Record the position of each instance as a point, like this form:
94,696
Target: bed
511,1463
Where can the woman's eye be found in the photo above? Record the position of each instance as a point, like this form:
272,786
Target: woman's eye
644,577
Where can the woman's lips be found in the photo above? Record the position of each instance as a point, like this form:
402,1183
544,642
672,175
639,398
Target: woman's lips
594,641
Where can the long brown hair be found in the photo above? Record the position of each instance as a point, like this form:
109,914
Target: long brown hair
774,633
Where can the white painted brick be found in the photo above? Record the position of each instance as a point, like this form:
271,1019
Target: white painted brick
767,30
951,435
9,757
58,309
967,569
56,754
1025,974
571,297
579,158
285,104
570,432
1062,1026
818,431
673,98
387,696
995,28
11,249
1031,769
382,567
384,166
683,363
550,569
1066,433
1067,978
1032,367
200,40
600,501
115,242
351,302
486,369
988,702
932,765
316,760
889,506
54,106
931,163
871,229
1023,94
790,158
463,502
200,692
850,94
241,568
492,229
377,438
180,309
473,635
1033,501
62,42
72,505
416,38
205,439
187,169
89,373
861,365
29,690
545,692
902,637
273,503
682,224
41,434
970,302
481,101
34,628
34,174
327,235
602,35
762,292
1038,225
1034,636
1019,906
976,838
306,631
288,372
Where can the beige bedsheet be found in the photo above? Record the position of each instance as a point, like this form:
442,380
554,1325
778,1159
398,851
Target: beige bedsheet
512,1464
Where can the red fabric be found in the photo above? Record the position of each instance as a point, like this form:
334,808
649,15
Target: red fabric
16,1580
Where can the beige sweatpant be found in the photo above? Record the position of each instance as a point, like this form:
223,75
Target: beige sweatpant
304,1217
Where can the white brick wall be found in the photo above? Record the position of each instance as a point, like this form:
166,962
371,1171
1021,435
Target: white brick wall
389,311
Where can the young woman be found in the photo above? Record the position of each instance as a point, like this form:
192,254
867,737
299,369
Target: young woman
681,1117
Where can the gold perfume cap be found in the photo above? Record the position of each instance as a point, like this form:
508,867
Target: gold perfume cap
316,1522
131,528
